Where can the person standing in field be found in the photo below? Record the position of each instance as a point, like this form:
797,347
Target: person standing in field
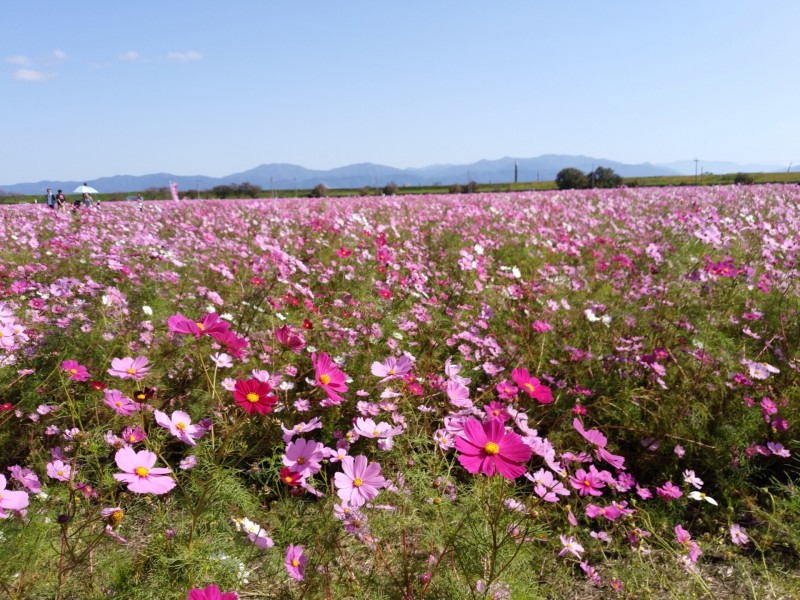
60,198
51,199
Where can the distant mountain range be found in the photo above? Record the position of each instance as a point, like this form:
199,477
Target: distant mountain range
280,176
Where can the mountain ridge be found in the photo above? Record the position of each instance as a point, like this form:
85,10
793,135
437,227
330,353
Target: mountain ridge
286,176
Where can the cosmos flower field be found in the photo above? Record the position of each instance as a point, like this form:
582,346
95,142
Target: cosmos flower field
530,395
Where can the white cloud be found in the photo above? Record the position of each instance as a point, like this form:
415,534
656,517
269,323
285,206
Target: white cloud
185,56
60,55
130,55
20,61
31,75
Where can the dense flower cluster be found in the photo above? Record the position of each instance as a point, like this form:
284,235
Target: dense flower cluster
360,362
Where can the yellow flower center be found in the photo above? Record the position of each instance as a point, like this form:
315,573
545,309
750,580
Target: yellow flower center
73,371
252,397
141,471
288,479
391,371
118,403
357,482
491,448
530,387
325,379
131,371
116,517
376,433
301,461
294,562
60,473
181,426
200,326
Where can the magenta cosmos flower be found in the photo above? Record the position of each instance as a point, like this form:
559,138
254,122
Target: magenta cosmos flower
532,386
328,376
208,324
489,448
76,371
121,405
210,593
129,368
358,482
253,396
296,562
139,473
10,500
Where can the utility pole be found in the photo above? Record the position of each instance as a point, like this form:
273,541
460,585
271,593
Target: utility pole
695,170
516,171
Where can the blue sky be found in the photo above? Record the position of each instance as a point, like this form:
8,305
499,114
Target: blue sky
92,89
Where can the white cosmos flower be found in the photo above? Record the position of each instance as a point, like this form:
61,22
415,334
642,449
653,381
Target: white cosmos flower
701,496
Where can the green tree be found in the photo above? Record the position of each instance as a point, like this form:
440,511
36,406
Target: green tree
571,179
319,191
603,177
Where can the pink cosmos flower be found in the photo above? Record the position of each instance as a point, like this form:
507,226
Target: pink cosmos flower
26,477
588,482
294,341
129,368
296,562
180,425
489,448
738,535
612,513
506,390
76,371
599,441
231,343
358,482
11,500
496,410
139,473
59,470
458,393
328,376
547,487
570,546
208,324
122,405
133,435
304,457
392,367
532,386
369,429
669,491
210,593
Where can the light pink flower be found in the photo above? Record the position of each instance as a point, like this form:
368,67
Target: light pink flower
392,367
738,535
139,473
303,456
570,546
59,470
296,562
129,368
180,425
358,482
122,405
11,500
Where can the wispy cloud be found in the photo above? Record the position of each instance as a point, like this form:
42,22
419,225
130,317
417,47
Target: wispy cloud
32,75
60,55
184,56
130,56
20,61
